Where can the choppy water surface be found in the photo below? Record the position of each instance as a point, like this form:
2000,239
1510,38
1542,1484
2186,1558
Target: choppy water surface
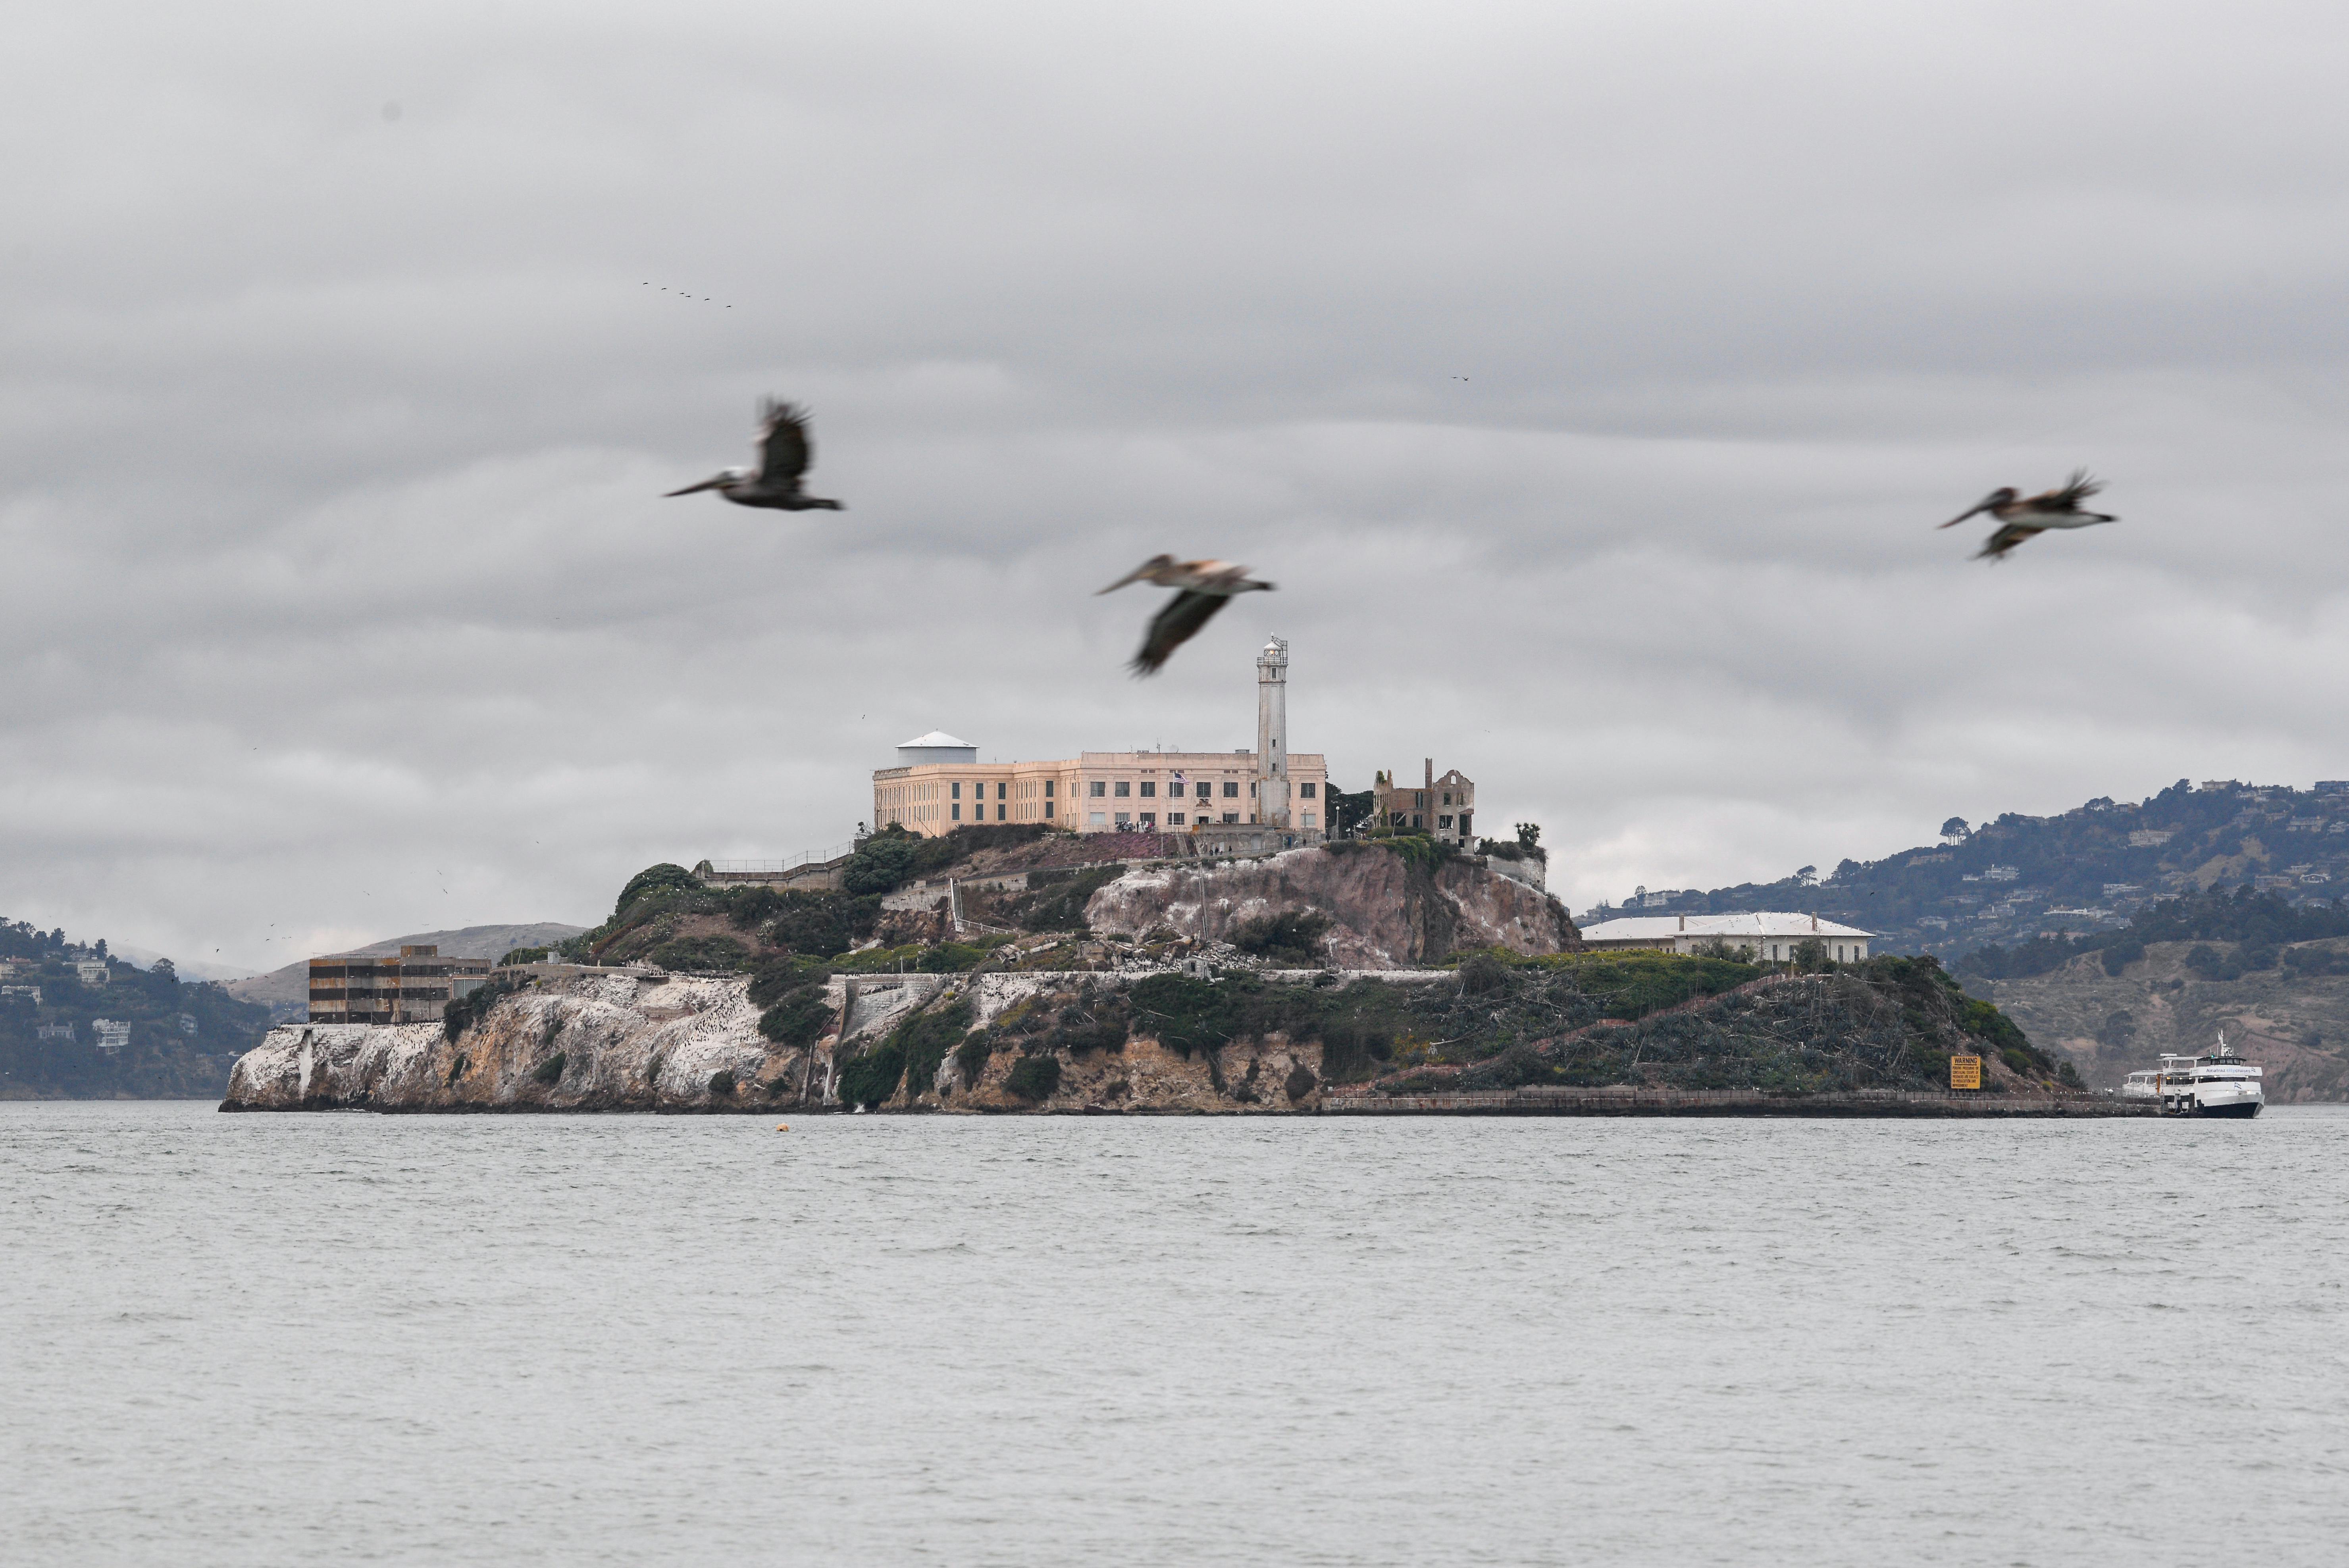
257,1339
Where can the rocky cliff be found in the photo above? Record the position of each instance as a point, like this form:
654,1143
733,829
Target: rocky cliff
692,1044
1149,1038
1387,908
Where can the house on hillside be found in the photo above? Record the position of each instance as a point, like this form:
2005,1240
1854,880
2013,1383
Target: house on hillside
1766,935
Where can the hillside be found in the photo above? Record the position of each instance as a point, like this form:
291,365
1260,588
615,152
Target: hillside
180,1039
286,992
2087,870
2176,996
1041,899
1153,1039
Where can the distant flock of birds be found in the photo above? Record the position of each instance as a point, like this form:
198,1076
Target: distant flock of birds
1204,587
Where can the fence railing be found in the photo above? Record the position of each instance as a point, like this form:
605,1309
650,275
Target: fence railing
777,868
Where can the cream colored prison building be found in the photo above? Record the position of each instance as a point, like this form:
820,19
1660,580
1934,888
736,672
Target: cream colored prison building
1097,791
1768,937
940,785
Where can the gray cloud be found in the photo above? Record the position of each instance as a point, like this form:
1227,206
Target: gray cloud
337,573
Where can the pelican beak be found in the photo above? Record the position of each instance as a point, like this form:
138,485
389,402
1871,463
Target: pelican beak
1137,575
711,483
1979,507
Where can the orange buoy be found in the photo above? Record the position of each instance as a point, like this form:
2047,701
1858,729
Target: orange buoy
782,1127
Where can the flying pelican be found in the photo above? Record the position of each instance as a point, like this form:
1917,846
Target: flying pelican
1206,587
784,451
2022,519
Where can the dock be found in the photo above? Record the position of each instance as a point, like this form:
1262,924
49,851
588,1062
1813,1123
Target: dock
1626,1100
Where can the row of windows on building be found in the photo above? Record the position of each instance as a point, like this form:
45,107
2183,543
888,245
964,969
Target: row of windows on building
1122,789
1418,820
1147,821
1099,788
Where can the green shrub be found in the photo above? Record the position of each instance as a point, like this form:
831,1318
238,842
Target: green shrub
2121,954
1349,1043
799,1018
1055,901
1483,973
972,1054
700,952
1034,1077
2205,962
1077,1033
894,855
870,1079
1421,852
1187,1014
550,1069
721,1083
826,924
777,977
747,907
2302,962
924,1041
1633,984
662,878
524,955
880,862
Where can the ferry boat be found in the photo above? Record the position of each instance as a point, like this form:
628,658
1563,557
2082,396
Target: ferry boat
2217,1083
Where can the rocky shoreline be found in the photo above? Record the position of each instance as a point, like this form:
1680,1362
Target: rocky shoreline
1159,1040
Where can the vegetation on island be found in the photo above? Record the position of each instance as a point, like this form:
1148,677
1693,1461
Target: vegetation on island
1497,1021
2085,872
182,1037
2257,927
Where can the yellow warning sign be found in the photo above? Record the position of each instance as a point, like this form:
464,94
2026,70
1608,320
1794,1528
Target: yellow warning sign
1965,1072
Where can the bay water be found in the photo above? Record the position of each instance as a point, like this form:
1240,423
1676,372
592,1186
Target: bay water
543,1339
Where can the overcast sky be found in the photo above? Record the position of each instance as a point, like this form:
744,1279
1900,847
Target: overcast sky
1589,377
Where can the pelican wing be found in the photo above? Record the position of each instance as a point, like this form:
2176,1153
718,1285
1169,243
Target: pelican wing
1995,547
2068,496
784,450
1176,626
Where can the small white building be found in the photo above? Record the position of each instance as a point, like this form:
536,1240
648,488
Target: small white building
1767,937
113,1034
92,972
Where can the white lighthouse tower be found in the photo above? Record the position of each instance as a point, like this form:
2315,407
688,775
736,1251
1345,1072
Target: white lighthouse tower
1272,735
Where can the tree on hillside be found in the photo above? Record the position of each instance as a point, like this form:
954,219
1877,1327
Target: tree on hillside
1954,830
1348,812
